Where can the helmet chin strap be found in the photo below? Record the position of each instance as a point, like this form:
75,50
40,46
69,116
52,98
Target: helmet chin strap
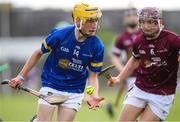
156,34
80,29
80,26
84,34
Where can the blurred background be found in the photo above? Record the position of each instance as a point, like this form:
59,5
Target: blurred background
23,26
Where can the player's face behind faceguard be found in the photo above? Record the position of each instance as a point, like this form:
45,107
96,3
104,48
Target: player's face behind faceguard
150,21
131,18
86,18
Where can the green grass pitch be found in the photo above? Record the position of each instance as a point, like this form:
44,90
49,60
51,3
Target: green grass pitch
21,107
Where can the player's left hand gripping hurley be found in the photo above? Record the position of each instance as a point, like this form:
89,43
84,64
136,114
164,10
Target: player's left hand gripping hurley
106,73
54,100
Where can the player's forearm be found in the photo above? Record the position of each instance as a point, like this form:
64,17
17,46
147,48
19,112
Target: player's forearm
117,63
93,81
131,65
32,60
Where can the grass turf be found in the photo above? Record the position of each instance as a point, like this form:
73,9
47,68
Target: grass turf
21,107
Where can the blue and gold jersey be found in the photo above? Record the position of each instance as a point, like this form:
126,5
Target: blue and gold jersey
66,68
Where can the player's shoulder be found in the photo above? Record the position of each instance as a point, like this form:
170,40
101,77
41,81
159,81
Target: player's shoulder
123,34
95,40
65,29
166,32
63,32
139,38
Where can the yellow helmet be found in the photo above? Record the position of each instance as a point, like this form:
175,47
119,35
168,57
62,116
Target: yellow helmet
86,12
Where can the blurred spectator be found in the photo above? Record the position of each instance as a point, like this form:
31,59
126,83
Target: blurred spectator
124,43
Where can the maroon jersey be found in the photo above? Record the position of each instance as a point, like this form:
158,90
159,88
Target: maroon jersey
157,72
124,42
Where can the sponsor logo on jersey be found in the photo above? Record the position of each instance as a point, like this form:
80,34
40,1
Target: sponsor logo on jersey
156,59
156,62
77,47
147,63
142,52
66,64
163,50
151,46
64,49
77,61
76,67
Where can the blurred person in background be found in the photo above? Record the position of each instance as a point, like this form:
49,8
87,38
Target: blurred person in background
73,51
155,53
124,43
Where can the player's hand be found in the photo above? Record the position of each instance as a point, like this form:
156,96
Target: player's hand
112,81
94,102
15,81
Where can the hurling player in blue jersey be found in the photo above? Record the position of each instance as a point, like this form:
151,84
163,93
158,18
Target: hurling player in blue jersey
73,51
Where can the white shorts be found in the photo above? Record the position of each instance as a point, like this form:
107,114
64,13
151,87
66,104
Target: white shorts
130,82
159,104
74,101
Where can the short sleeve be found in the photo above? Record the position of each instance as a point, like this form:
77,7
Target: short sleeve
97,59
49,42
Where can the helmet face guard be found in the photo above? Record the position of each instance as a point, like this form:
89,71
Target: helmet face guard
151,15
85,12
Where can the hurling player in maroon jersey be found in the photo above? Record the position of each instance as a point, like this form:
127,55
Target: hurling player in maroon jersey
155,53
124,43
